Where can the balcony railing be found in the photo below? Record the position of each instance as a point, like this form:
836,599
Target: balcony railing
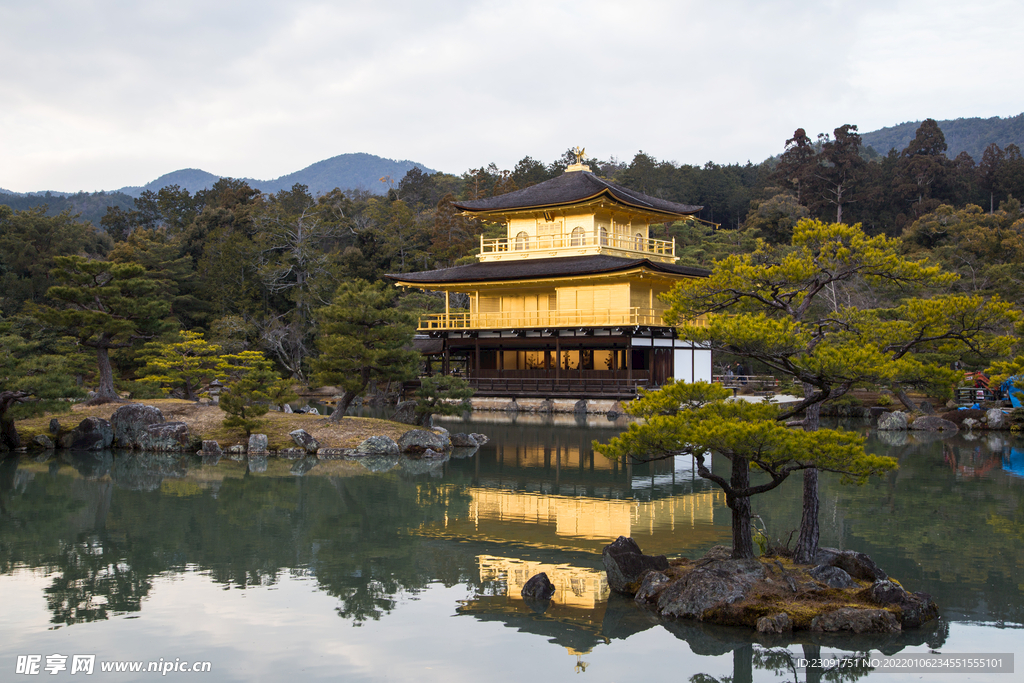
534,319
525,245
578,387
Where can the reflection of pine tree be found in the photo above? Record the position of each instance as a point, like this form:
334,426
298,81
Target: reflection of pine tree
95,582
847,667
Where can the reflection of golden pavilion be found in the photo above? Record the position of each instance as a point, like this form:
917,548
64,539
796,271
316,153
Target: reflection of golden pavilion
574,586
669,526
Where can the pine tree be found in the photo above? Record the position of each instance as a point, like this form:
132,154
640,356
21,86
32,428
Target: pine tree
442,395
697,419
105,306
811,312
364,336
253,386
33,374
186,363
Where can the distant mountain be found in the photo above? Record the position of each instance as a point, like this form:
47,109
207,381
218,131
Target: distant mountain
191,179
962,135
346,171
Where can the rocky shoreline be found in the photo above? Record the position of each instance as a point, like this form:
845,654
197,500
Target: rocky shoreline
842,592
137,426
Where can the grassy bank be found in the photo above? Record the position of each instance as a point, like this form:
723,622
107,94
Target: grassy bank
206,422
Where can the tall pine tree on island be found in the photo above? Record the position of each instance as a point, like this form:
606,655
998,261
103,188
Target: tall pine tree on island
815,312
699,419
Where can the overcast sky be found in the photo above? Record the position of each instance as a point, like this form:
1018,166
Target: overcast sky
104,93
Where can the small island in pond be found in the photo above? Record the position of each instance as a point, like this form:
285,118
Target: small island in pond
841,592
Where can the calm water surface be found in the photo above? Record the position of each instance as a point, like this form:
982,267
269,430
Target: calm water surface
411,571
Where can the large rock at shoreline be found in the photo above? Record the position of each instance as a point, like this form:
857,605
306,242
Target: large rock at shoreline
933,423
333,453
915,608
305,440
653,584
130,421
626,565
91,434
892,422
853,620
376,445
416,441
714,584
833,577
775,624
996,419
165,437
210,447
857,565
462,440
258,444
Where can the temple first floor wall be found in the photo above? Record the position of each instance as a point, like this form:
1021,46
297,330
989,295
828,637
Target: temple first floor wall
567,361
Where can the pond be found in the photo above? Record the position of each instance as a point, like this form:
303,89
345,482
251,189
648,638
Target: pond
411,570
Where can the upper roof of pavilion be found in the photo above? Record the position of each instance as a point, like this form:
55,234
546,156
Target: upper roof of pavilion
576,186
572,267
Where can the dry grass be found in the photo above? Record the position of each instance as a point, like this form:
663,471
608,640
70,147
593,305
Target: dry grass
206,422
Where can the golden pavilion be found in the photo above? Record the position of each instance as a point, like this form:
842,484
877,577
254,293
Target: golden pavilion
567,303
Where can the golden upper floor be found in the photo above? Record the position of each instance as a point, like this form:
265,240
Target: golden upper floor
577,251
576,214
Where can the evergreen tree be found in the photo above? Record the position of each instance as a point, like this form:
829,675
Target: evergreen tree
442,395
187,363
105,306
29,243
697,419
812,313
33,374
364,336
253,386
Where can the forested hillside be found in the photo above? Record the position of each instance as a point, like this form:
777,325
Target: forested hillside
89,206
252,270
971,135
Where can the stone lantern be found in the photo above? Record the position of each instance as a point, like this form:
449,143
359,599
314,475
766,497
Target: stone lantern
215,388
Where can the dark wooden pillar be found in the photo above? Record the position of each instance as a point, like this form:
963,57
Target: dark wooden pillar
629,363
558,359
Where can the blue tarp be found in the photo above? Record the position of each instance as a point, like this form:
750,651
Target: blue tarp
1013,392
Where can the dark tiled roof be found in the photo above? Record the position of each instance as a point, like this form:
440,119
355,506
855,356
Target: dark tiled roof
566,266
570,188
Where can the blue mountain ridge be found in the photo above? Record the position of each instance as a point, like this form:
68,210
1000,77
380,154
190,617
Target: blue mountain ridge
357,171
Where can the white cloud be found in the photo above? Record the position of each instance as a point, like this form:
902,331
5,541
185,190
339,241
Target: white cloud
104,94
